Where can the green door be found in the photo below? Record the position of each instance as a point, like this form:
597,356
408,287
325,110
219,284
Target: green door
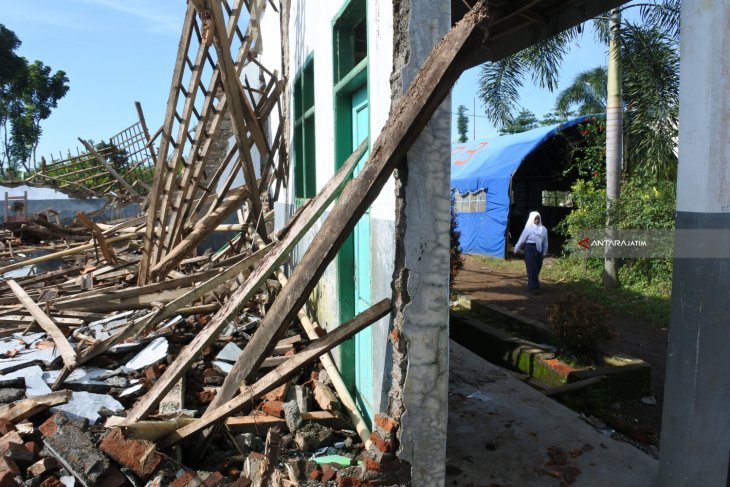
361,234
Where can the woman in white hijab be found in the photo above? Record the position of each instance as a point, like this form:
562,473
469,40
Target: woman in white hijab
535,240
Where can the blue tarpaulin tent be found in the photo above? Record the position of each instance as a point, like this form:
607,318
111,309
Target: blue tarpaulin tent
489,165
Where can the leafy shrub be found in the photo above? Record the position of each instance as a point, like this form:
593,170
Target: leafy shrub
641,205
577,324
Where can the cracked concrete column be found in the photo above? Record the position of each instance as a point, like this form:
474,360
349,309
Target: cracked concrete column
419,396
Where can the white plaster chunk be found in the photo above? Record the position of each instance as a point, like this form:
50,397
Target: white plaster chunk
29,338
82,375
34,383
87,405
152,353
131,390
10,344
222,366
229,353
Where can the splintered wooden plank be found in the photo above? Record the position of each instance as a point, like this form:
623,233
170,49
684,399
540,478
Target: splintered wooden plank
414,110
25,408
284,372
106,250
49,326
202,228
278,254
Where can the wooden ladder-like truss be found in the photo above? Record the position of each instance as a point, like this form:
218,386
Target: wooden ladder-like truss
191,193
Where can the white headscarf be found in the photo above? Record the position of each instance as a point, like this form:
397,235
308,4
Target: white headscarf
539,228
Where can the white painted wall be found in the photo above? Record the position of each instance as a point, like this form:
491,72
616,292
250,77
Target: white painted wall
310,31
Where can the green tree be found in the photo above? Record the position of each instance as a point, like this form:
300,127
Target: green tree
28,95
587,93
462,123
501,81
524,121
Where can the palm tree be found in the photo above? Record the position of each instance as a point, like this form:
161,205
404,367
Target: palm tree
500,82
587,93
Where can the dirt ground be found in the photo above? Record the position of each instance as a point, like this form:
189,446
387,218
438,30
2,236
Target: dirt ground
506,286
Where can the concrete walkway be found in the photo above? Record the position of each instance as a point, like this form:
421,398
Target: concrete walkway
504,433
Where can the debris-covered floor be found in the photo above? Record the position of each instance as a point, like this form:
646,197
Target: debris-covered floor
81,346
502,433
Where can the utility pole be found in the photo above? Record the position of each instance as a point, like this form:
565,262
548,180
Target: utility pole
695,440
474,125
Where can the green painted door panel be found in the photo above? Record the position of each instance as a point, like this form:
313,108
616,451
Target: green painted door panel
363,300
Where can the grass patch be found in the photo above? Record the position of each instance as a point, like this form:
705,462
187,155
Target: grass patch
647,301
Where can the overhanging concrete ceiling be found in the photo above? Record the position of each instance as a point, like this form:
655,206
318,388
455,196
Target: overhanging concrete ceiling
516,24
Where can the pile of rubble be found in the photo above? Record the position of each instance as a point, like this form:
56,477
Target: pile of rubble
74,362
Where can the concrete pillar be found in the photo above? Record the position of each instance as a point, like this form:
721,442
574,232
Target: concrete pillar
419,397
695,442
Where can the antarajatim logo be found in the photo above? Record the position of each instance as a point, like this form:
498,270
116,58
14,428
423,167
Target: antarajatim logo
585,242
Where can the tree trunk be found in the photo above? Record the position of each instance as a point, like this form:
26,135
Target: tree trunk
614,140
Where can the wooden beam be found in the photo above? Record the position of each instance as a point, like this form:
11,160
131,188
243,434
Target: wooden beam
62,253
162,171
25,408
243,117
425,94
106,250
284,372
260,273
64,348
202,229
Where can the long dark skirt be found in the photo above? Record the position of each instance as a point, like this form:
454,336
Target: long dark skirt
533,262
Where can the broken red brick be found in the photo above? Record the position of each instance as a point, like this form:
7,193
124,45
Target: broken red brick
394,336
6,427
213,479
328,473
49,427
205,396
113,477
382,444
315,475
7,479
380,462
8,465
278,394
274,408
11,438
19,455
51,481
32,447
386,423
154,372
139,455
183,480
242,482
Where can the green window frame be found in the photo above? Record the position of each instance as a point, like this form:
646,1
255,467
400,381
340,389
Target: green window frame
305,165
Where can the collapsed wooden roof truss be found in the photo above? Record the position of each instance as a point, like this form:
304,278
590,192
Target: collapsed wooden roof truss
190,193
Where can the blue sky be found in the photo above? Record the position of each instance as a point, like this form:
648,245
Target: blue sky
116,52
586,54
